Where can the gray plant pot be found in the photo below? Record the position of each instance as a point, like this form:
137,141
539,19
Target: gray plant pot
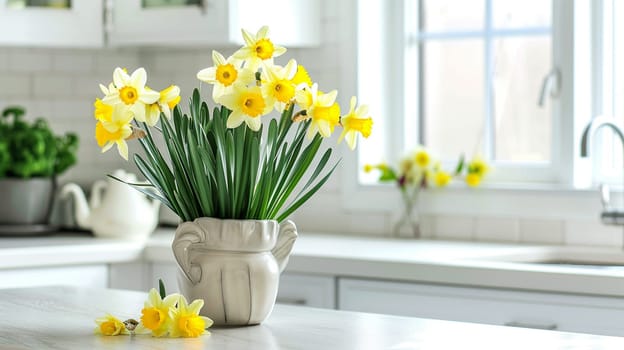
26,201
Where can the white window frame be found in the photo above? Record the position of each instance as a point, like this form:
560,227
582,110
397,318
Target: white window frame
566,194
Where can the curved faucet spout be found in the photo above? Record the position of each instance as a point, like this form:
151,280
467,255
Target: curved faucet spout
593,126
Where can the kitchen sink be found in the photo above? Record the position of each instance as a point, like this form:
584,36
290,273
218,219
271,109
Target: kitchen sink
568,257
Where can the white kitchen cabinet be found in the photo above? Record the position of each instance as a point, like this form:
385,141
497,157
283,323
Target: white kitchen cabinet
140,22
79,25
308,290
93,276
563,312
294,23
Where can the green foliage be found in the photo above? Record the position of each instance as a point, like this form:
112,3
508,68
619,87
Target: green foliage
31,149
213,171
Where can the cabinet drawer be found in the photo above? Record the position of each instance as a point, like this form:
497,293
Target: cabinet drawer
564,312
308,290
93,276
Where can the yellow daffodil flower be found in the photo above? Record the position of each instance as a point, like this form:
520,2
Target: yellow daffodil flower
155,315
224,74
102,110
169,98
258,48
278,85
247,105
478,166
355,121
441,178
115,131
368,168
186,321
131,92
473,179
321,108
109,325
302,78
422,158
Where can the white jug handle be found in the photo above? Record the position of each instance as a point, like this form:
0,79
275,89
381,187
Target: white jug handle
187,234
285,241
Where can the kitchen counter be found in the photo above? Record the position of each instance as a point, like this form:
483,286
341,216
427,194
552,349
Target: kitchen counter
444,262
63,318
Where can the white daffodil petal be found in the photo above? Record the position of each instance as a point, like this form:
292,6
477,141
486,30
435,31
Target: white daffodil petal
138,109
253,123
324,128
138,78
149,96
107,146
351,139
327,99
208,75
262,32
249,39
112,99
290,70
122,147
352,104
278,51
120,78
235,119
217,58
362,111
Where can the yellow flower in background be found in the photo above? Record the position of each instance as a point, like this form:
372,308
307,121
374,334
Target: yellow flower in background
368,168
478,166
473,179
186,321
441,178
109,325
278,85
247,105
224,74
131,92
115,131
422,158
155,313
355,121
258,48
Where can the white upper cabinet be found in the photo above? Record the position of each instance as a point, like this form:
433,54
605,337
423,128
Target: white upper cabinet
168,22
293,23
52,23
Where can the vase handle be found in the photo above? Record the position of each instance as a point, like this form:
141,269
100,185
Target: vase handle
285,241
187,234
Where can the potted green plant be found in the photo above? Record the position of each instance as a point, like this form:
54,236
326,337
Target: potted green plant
31,156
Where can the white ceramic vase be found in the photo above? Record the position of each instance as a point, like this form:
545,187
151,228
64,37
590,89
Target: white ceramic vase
233,265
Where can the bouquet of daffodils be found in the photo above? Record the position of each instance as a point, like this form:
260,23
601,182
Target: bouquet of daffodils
224,165
418,171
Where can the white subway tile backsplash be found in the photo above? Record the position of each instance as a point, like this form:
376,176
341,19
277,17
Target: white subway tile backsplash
14,85
34,61
497,230
453,227
108,60
542,231
73,62
45,85
4,60
593,233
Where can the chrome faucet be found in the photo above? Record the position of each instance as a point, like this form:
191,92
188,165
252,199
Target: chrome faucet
609,215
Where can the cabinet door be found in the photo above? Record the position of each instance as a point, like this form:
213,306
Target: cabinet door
307,290
168,22
564,312
51,23
92,276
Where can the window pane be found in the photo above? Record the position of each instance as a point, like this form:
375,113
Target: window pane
618,59
452,15
525,13
17,4
162,3
453,96
522,128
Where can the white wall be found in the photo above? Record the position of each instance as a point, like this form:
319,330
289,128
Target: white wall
62,85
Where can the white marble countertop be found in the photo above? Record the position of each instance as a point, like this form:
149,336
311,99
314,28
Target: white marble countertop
63,318
445,262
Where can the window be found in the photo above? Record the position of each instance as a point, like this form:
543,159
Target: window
468,79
